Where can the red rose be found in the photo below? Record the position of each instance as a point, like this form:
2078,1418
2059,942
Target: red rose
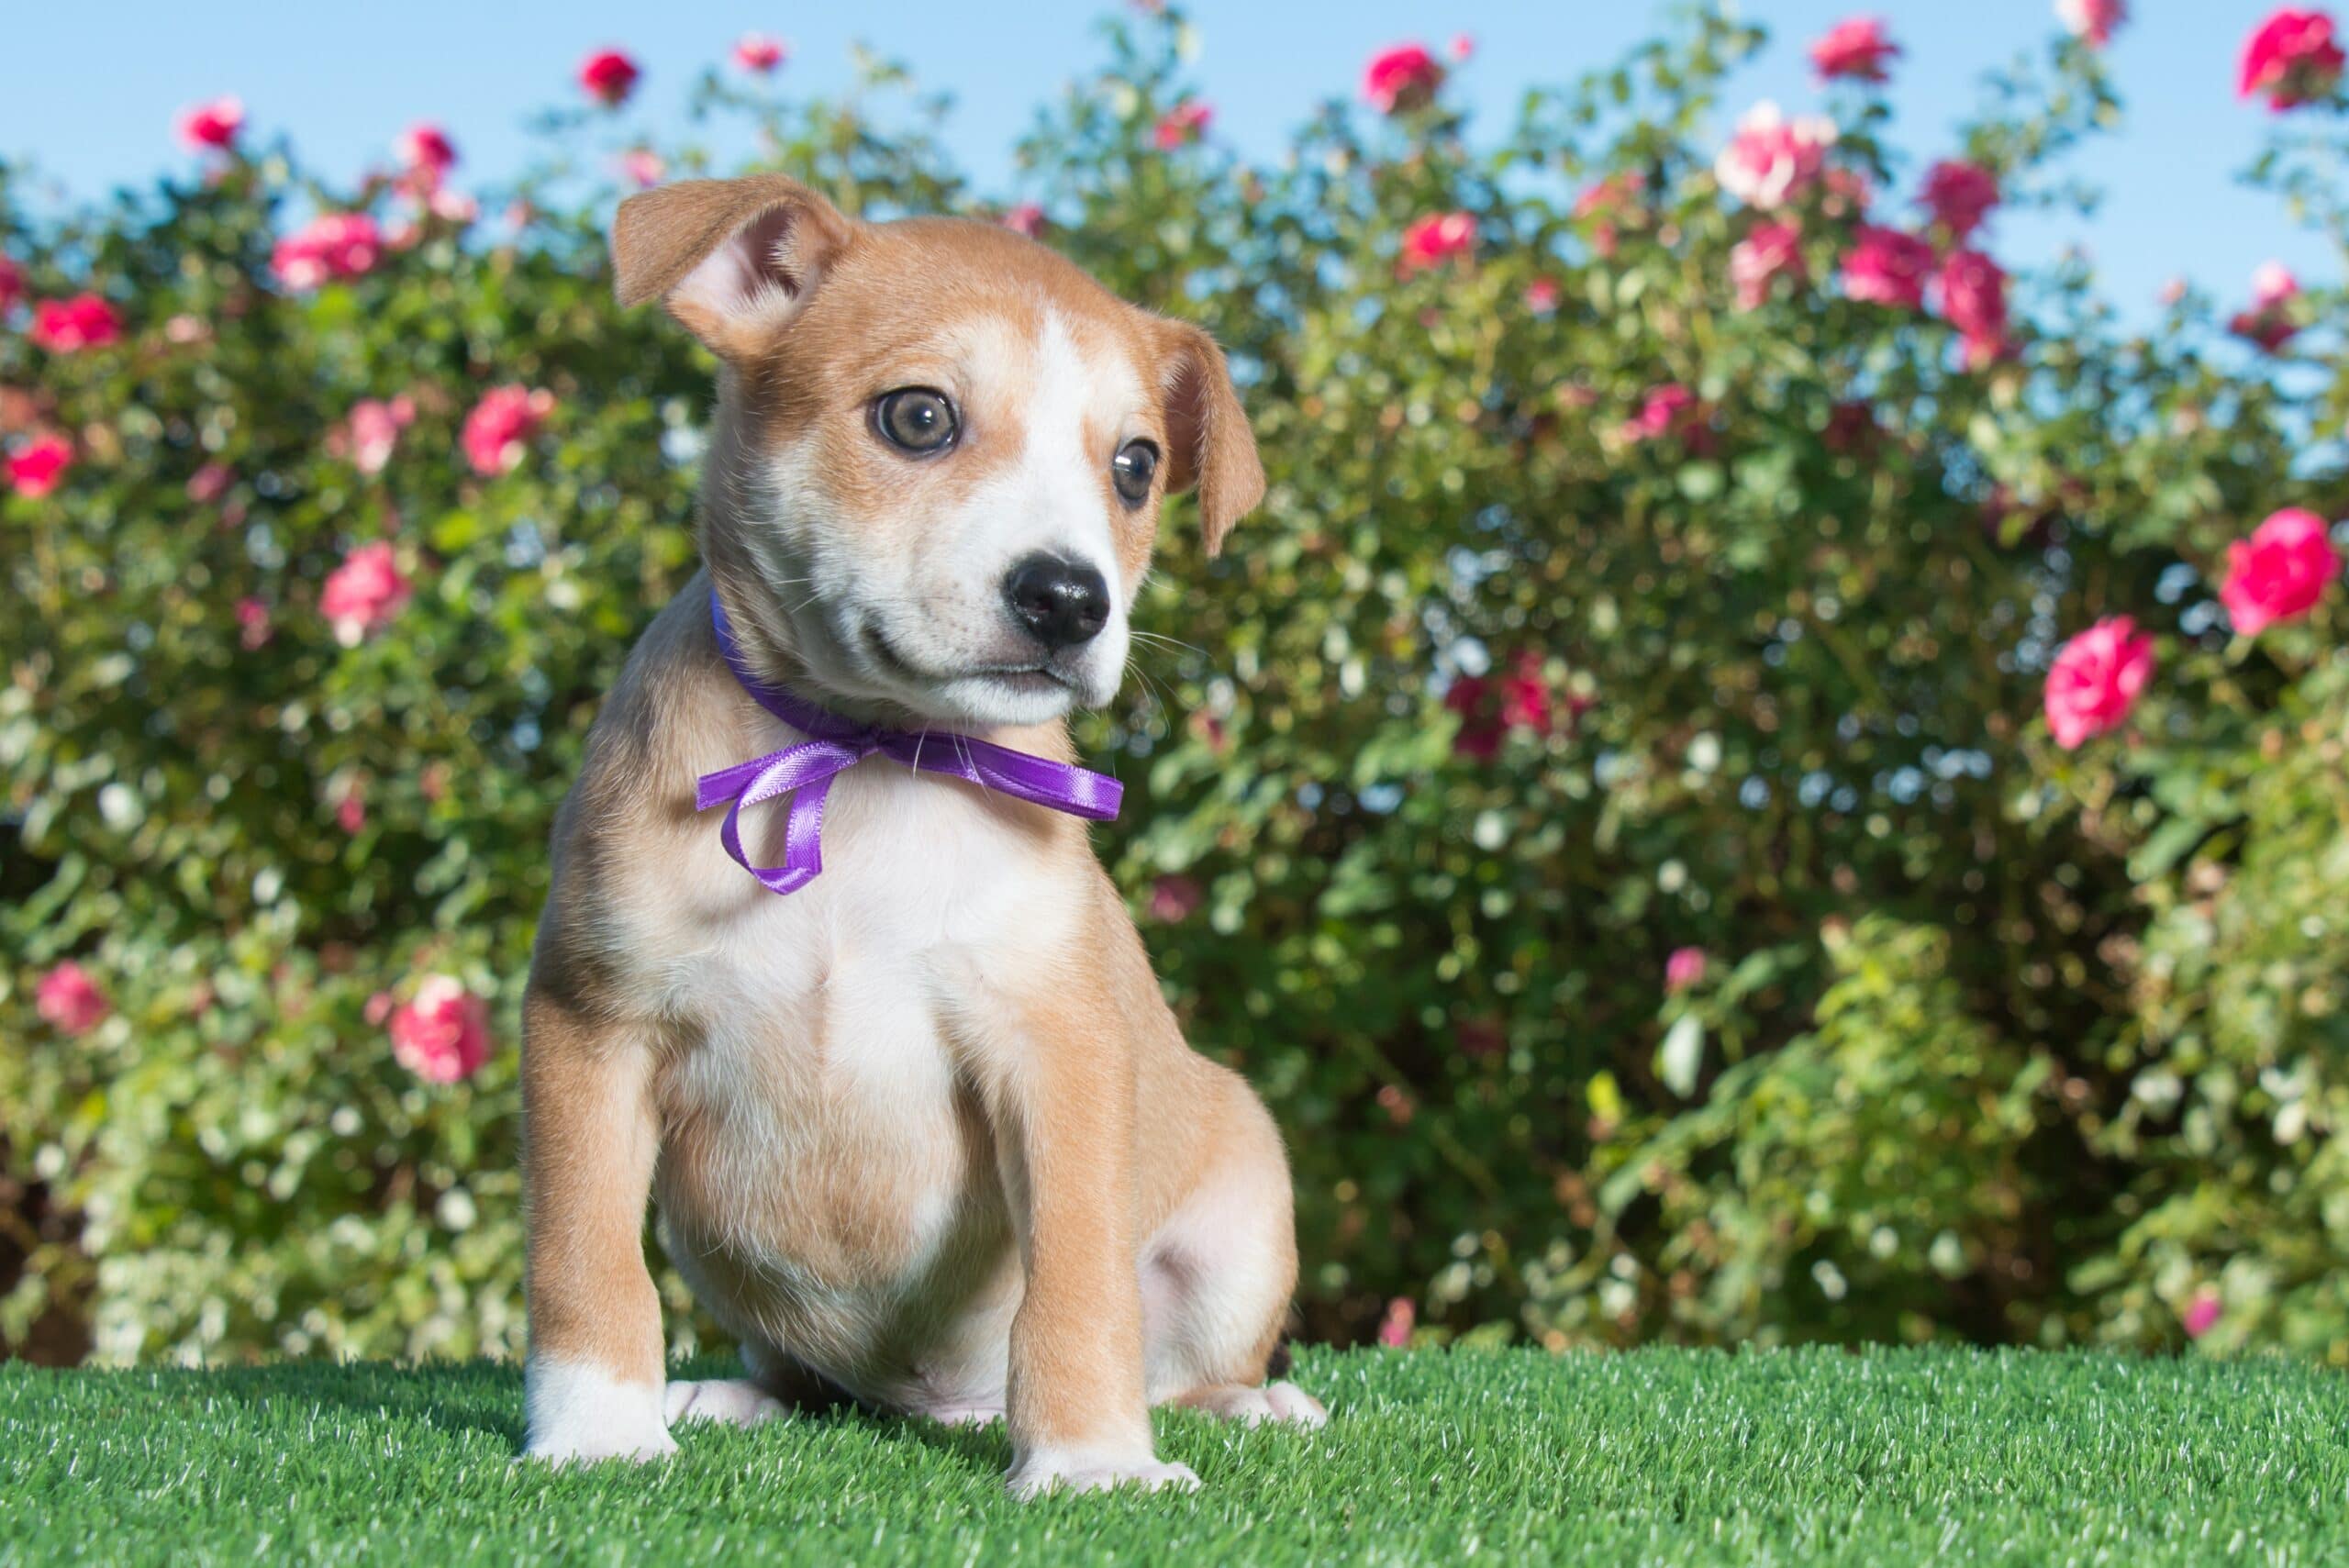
2280,572
608,77
2096,680
1856,48
1403,77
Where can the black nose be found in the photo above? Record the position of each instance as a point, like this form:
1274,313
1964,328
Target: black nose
1060,603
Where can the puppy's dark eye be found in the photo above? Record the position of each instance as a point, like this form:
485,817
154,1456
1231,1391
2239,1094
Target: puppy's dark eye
915,419
1132,469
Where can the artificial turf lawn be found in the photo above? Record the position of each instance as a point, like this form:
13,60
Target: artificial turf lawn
1658,1456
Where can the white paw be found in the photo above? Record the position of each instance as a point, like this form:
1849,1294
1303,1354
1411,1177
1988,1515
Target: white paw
581,1414
1283,1402
738,1402
965,1415
1048,1470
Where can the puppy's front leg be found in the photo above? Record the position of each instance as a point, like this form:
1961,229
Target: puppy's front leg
593,1382
1060,1083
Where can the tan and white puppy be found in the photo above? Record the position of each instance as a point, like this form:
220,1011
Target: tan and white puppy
923,1131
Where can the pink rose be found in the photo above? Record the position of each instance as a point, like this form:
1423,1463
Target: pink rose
1664,410
1772,160
364,593
374,431
253,631
1770,251
426,151
760,53
2091,21
2268,322
1542,296
1436,238
2279,572
12,283
1684,969
1174,899
351,806
1856,48
644,166
331,245
505,418
2201,1314
1184,123
1959,194
1492,706
69,1001
1461,48
215,124
2096,680
1026,219
1403,77
38,465
1886,267
1973,298
2292,58
442,1034
608,77
68,326
211,482
1395,1328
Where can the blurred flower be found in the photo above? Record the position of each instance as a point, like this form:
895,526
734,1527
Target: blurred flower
69,1001
373,431
351,805
2292,58
11,282
1491,706
1856,48
213,125
2096,680
500,422
1395,1328
208,483
253,631
1403,77
1174,899
37,466
1772,160
1026,219
1973,299
759,52
1848,194
331,245
1461,48
68,326
2268,322
1612,198
1662,411
1684,969
1851,425
1959,194
644,166
364,593
608,77
1771,250
2093,21
1184,123
1542,296
1886,267
2201,1314
1436,238
427,153
2280,573
442,1034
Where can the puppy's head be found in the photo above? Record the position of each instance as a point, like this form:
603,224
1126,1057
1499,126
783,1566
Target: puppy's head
941,449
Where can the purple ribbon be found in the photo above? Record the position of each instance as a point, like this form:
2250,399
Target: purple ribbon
834,744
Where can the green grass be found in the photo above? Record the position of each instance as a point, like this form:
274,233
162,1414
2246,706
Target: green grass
1661,1456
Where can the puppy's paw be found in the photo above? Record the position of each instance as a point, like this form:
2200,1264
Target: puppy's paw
1050,1470
581,1414
964,1415
738,1402
1283,1402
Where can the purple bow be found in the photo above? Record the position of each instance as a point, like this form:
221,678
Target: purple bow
835,744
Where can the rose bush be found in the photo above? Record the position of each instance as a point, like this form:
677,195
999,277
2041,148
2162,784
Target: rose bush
1756,777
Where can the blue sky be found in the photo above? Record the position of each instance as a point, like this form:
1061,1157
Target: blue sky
92,90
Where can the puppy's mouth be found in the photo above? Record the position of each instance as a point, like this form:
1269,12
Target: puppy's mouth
1030,678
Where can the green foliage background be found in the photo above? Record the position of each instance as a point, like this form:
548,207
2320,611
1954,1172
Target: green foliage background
1997,1043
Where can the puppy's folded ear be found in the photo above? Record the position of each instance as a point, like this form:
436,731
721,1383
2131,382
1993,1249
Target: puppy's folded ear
1213,449
734,260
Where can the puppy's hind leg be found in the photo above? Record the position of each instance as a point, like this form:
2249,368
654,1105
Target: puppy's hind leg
1217,1277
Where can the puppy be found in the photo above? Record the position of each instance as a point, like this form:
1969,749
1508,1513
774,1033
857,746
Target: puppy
919,1128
